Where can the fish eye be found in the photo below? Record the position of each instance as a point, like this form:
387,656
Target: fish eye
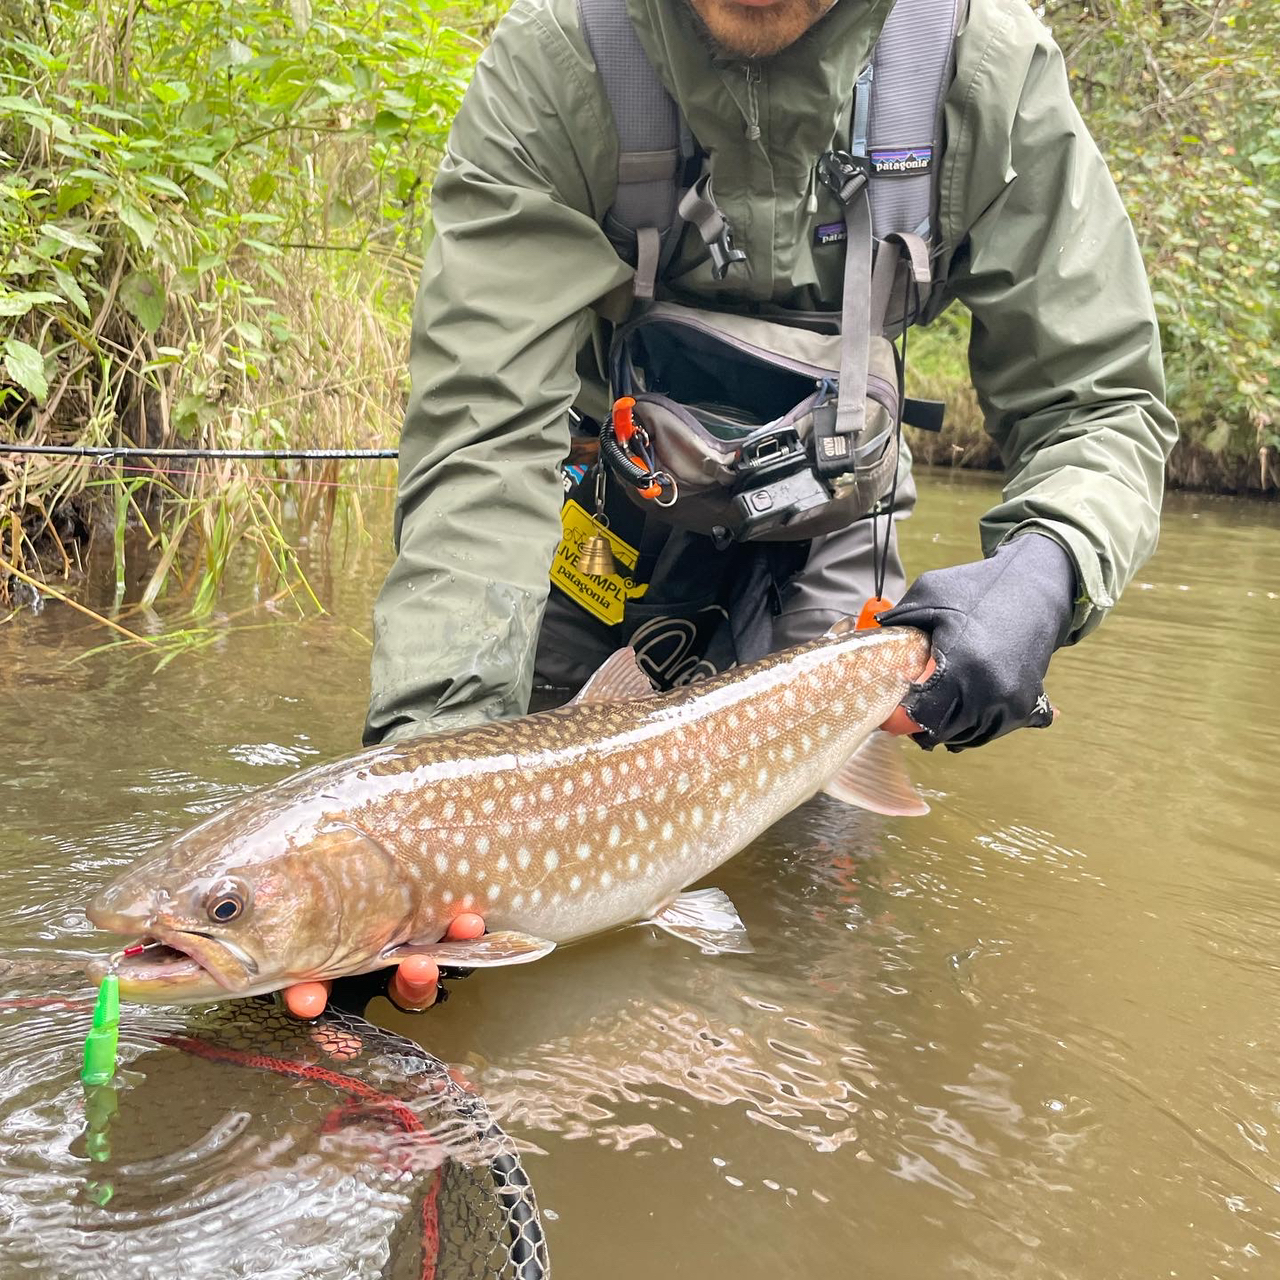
227,903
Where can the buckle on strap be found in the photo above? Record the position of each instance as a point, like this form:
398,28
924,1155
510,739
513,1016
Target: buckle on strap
844,174
698,206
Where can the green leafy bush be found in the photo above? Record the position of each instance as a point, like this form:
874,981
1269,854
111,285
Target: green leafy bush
1184,100
210,220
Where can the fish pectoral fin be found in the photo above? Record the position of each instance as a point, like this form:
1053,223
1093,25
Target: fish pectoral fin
876,778
617,679
706,918
487,952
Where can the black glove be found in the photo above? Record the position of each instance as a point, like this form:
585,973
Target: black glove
994,625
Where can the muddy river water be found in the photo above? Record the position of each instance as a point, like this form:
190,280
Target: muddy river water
1035,1034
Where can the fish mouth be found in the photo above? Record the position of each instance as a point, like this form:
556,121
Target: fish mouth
173,966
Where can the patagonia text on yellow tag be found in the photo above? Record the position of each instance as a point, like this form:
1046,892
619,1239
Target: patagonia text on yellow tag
605,597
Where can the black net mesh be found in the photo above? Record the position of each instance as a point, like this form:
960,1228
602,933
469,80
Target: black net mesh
238,1141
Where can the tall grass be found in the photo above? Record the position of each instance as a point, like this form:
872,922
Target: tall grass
210,224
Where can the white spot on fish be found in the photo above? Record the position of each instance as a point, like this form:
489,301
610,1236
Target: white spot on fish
482,844
535,825
552,859
583,851
658,758
615,834
762,778
667,829
606,776
546,791
468,901
504,829
494,890
837,708
575,883
606,879
463,866
697,815
518,901
488,805
517,803
442,863
459,838
503,862
449,809
633,862
536,897
567,787
788,753
562,821
522,858
642,823
447,896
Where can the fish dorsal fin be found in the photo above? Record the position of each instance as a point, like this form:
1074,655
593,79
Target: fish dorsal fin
875,778
617,679
840,627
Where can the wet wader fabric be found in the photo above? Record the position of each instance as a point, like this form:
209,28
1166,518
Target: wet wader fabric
682,628
1032,239
706,606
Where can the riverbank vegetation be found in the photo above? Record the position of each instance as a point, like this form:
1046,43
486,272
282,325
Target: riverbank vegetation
211,219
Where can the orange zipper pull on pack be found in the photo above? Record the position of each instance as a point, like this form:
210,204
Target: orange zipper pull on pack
867,614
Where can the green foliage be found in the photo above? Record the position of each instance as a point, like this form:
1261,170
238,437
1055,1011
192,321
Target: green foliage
1185,101
210,216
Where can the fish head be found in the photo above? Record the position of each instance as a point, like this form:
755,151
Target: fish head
250,901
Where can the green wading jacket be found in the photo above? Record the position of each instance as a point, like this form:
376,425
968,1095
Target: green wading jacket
1065,352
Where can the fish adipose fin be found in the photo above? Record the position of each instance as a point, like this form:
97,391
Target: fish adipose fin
488,952
617,679
706,918
875,778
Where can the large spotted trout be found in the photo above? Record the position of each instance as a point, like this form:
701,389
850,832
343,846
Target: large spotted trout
552,826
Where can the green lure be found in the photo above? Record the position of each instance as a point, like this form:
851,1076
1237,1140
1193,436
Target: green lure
100,1044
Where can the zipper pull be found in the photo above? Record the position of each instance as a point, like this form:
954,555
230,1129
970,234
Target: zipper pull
753,105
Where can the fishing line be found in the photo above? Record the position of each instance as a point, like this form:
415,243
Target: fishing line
260,479
109,452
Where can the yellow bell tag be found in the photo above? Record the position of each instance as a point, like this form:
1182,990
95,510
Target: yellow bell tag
603,597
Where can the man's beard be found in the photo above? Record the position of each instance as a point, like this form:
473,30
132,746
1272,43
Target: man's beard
745,31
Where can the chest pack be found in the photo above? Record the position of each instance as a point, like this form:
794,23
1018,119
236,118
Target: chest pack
786,428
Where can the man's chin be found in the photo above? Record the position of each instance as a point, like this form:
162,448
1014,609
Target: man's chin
756,29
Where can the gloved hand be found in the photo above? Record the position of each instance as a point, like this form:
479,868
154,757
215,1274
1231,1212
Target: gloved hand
994,625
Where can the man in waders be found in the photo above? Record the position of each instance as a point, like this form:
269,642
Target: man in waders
677,247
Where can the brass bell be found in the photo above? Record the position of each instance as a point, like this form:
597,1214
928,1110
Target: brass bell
595,557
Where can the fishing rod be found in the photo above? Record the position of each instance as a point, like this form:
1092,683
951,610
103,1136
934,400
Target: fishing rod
109,452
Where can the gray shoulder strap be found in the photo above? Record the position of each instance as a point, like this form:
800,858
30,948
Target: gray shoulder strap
648,125
914,63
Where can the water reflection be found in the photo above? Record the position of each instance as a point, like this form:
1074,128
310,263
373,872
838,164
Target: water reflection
1033,1034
